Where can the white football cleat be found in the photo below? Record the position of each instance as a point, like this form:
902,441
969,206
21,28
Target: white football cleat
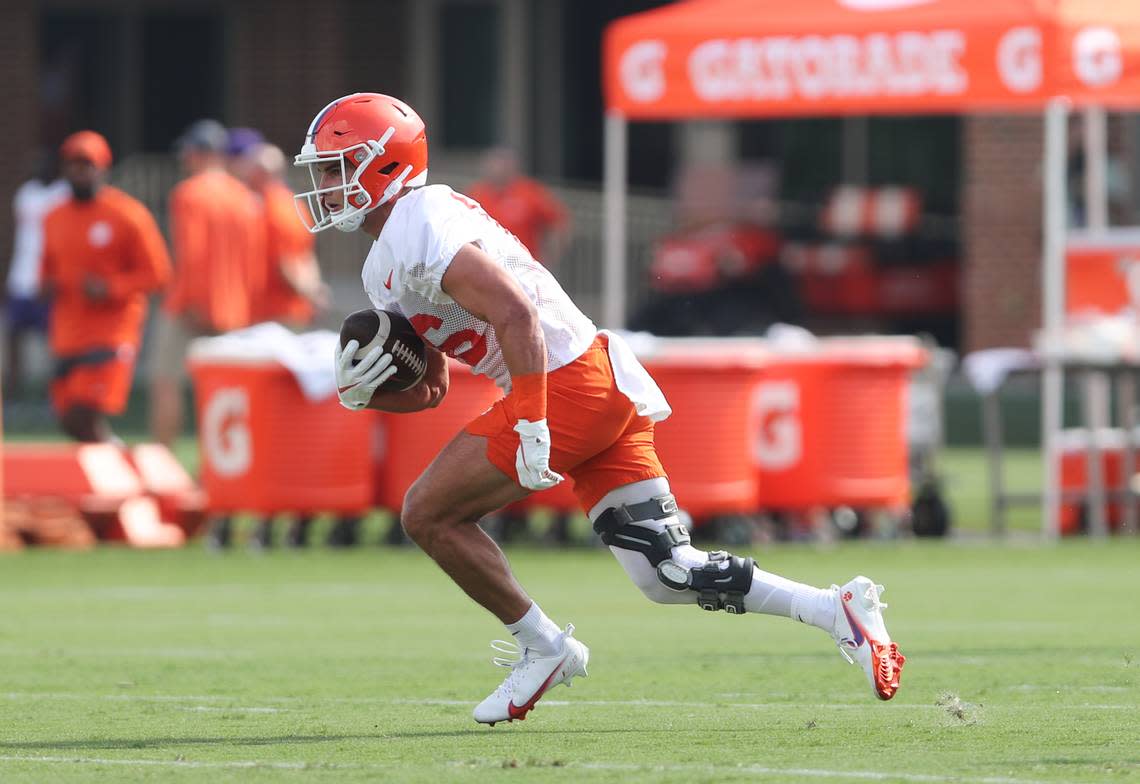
862,636
531,676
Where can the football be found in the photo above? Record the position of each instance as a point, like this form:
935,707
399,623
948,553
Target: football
395,333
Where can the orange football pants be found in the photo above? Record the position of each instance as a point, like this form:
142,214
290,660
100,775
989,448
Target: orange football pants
597,437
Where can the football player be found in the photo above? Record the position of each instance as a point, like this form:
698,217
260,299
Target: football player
577,403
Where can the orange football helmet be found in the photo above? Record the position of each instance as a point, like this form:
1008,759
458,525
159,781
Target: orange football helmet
381,147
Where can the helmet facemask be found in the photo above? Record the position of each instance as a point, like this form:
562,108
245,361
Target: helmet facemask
355,201
381,154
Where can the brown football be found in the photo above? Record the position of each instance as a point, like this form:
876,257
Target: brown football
371,328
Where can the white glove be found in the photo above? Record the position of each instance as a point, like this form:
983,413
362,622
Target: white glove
532,461
357,383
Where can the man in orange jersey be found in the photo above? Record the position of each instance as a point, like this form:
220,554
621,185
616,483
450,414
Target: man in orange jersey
102,255
522,206
293,287
216,237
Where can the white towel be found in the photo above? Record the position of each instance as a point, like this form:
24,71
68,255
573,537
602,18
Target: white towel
634,380
309,356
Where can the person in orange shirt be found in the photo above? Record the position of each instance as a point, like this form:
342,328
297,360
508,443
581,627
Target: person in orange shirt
217,239
523,206
102,256
293,289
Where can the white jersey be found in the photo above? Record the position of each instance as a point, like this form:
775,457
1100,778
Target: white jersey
405,267
32,202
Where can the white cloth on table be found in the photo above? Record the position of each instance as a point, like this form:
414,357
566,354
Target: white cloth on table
308,356
988,369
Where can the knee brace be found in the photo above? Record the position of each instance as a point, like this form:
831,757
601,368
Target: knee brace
617,526
719,584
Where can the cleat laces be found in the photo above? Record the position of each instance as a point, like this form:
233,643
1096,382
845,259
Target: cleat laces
514,658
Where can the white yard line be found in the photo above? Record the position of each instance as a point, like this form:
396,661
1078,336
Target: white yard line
241,764
816,773
229,709
671,704
764,771
17,696
214,654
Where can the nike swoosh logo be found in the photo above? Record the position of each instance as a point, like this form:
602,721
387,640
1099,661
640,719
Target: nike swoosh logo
519,711
388,283
856,629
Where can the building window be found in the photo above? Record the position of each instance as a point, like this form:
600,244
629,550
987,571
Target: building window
471,65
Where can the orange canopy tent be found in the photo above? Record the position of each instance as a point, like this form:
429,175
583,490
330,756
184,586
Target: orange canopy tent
736,58
775,58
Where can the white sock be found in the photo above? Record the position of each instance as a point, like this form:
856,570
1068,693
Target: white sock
537,632
772,594
775,595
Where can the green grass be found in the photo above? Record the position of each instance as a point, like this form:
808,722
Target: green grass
364,666
966,483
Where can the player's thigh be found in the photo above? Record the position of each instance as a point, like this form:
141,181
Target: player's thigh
631,458
460,485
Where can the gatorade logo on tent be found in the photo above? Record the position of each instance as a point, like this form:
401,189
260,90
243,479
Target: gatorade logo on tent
1096,56
779,68
1019,59
779,437
226,439
643,71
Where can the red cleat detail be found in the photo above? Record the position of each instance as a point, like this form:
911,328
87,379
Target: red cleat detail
520,711
888,668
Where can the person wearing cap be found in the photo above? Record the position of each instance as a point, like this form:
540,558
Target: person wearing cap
102,255
216,241
27,313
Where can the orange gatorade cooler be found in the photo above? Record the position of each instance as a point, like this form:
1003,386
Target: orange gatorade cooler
266,448
829,424
1074,446
706,445
407,443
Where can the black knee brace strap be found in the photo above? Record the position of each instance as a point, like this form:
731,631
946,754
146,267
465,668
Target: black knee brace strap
723,588
617,528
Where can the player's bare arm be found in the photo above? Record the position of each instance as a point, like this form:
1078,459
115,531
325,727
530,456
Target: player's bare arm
429,393
487,291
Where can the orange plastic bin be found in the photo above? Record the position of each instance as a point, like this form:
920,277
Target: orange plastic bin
266,448
706,445
407,443
829,424
1074,445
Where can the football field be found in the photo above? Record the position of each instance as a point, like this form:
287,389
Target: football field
1023,666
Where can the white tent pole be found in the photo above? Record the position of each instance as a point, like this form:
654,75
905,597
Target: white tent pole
1053,311
1094,385
613,219
1096,168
